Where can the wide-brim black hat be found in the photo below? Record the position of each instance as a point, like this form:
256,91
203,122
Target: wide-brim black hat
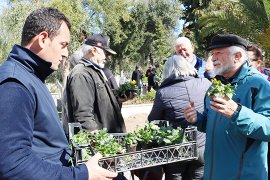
101,41
227,40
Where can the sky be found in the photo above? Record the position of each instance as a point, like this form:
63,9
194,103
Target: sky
3,3
178,29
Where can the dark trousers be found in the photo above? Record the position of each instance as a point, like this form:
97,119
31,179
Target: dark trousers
187,170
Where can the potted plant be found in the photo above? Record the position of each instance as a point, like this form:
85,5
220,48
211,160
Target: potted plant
101,142
131,141
169,135
127,88
147,136
220,90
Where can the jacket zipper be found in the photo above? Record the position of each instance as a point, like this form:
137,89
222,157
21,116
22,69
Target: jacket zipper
213,138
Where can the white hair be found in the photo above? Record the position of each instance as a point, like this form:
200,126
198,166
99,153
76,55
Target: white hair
178,66
81,52
235,49
182,40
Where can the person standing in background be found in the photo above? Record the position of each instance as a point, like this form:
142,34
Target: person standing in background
255,56
150,73
185,48
137,76
179,86
90,100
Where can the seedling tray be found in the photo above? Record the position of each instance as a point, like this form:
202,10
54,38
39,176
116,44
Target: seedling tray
185,151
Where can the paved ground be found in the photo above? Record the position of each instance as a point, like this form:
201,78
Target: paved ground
135,115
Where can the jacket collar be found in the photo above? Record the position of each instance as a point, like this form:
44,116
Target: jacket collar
89,62
31,62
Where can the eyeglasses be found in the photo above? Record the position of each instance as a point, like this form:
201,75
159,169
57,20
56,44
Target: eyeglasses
253,59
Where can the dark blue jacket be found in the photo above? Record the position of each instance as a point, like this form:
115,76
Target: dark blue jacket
33,143
174,95
200,66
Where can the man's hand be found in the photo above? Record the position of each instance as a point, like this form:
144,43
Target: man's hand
190,113
223,106
96,172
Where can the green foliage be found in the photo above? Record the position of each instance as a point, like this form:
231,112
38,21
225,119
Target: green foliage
169,136
11,23
220,90
107,145
126,88
152,134
101,142
150,96
131,138
148,134
246,18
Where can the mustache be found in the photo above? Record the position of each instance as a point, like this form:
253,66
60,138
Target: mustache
215,62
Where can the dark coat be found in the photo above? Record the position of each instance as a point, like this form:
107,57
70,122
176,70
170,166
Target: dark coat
33,143
174,95
91,101
137,76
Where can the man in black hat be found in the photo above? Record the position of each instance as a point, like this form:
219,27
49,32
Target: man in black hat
90,100
236,128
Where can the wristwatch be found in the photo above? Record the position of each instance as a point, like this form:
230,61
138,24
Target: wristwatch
239,107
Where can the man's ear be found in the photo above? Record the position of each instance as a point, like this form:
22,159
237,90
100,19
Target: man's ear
238,55
43,37
94,50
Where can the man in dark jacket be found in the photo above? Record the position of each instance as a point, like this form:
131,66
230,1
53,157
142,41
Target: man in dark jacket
150,73
33,143
137,76
90,99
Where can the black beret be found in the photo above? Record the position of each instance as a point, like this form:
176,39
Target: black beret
227,40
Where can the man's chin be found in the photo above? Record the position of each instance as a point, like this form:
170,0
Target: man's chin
54,67
218,71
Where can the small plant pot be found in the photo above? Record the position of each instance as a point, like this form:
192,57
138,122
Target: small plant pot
143,146
131,148
221,96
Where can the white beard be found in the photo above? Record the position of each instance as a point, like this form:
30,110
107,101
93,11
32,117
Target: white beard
222,68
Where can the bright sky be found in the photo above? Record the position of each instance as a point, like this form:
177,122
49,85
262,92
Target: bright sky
3,3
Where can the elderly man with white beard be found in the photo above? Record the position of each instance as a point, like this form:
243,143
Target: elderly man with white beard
237,130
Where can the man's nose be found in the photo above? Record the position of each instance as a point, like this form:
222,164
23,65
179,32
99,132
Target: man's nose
65,53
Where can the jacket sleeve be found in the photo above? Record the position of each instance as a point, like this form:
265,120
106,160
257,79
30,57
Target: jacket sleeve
157,109
255,122
82,98
201,121
17,159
